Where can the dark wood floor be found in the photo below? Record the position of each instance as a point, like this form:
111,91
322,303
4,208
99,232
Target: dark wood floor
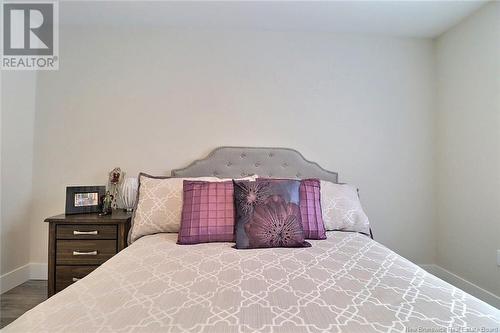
20,299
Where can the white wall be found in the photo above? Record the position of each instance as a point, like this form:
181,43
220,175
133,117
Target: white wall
155,99
17,127
468,163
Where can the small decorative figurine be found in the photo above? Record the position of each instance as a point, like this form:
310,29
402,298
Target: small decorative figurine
115,178
107,202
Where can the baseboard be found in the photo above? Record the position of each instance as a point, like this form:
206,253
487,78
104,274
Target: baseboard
463,284
31,271
38,271
14,278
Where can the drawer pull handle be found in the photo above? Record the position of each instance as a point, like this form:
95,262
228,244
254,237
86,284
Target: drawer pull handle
75,279
87,253
77,232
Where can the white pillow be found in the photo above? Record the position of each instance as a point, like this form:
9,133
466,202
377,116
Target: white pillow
342,209
159,204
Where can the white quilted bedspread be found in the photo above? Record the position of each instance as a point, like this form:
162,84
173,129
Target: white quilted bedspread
347,283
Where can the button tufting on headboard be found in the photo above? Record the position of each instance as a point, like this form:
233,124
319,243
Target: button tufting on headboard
233,162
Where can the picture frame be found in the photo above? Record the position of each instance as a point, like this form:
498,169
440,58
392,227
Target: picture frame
84,199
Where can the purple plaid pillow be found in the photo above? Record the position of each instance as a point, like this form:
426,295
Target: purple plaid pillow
310,209
207,212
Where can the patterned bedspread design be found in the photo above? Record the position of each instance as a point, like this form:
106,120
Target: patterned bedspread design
347,283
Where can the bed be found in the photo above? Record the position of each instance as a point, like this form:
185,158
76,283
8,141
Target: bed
346,283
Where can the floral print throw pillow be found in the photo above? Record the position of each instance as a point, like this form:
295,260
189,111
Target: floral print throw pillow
268,214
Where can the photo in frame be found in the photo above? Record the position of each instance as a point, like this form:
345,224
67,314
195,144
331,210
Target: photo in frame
84,199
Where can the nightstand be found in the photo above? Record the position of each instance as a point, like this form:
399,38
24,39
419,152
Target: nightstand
79,243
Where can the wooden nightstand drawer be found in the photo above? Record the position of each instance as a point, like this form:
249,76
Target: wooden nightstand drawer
84,252
67,275
80,243
86,231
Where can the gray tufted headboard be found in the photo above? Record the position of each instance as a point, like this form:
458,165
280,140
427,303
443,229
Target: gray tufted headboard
234,162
